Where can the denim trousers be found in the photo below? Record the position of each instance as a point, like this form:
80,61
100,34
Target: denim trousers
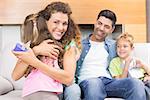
102,87
72,92
147,89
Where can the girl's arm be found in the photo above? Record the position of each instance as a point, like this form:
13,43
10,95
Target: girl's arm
19,70
44,48
64,76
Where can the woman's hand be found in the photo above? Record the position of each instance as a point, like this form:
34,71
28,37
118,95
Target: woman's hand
47,48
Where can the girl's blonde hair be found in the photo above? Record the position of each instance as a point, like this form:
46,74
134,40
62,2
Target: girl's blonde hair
127,37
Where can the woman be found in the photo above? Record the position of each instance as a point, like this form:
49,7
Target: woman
55,21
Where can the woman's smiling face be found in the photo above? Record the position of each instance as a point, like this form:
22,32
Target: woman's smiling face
58,24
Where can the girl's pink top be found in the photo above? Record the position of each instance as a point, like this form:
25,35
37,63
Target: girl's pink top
38,81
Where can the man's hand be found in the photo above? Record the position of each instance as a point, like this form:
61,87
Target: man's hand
146,78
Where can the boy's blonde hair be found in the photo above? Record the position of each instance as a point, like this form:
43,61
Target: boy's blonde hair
127,37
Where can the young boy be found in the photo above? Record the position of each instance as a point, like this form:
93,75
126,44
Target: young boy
125,65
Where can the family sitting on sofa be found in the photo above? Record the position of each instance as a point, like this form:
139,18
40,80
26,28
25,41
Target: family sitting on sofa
55,49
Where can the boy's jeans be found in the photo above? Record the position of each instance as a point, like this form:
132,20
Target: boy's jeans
102,87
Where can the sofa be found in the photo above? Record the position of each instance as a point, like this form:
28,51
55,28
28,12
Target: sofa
11,90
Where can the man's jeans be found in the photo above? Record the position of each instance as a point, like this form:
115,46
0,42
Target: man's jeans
102,87
147,89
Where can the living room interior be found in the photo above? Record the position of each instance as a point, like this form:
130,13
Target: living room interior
133,17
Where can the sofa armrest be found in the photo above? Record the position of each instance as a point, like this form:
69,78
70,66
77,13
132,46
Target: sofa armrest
5,85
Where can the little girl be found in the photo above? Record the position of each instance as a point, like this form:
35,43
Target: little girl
126,65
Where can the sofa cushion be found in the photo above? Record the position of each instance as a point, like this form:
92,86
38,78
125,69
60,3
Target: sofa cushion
8,64
5,85
13,95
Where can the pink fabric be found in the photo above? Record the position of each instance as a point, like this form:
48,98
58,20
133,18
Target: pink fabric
38,81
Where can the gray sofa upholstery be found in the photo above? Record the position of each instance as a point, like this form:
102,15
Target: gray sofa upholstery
10,90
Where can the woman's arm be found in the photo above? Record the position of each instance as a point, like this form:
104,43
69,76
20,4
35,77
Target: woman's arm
47,48
64,76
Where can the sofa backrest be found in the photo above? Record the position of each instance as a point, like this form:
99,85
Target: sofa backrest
8,61
142,51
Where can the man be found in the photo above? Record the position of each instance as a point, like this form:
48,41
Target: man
92,75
